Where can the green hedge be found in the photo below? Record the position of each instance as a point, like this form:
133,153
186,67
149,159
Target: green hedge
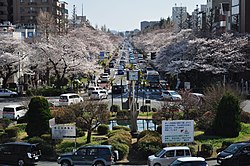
103,129
120,128
206,150
47,92
147,132
123,150
115,108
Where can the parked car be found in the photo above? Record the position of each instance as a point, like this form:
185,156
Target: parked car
98,155
105,78
167,155
236,154
96,95
104,93
93,88
170,95
14,111
189,161
7,93
69,98
19,153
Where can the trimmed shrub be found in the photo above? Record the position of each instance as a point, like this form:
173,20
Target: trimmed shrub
227,120
119,132
123,114
145,108
122,149
147,132
245,117
21,127
149,145
103,129
12,131
120,128
206,150
192,150
47,138
115,108
79,132
5,122
38,117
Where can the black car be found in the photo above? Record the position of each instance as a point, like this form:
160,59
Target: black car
19,153
236,154
97,155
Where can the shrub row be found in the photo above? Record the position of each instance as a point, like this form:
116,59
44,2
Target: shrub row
47,92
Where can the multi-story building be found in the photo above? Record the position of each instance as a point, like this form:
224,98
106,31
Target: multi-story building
199,18
179,16
240,16
23,13
6,11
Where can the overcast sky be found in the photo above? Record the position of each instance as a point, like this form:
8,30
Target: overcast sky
125,15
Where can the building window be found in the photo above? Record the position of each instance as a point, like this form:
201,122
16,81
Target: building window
22,1
235,2
235,10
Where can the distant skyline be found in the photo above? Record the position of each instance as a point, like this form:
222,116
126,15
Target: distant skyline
122,15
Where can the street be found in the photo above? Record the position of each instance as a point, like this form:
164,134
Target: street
48,163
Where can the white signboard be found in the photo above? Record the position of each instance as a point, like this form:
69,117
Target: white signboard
187,85
60,131
52,122
177,131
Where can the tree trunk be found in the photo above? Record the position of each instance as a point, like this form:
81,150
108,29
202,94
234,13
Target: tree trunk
89,136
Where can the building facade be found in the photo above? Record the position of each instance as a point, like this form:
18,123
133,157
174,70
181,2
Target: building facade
240,16
179,16
146,24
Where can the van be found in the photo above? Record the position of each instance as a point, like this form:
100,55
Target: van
167,155
14,111
69,98
19,153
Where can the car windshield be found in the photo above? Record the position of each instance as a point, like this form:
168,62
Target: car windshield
233,148
173,93
158,154
6,109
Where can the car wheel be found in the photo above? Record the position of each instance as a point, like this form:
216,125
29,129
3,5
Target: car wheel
99,163
65,163
157,164
20,162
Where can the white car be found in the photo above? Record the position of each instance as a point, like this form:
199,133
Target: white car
104,94
69,98
7,93
171,95
96,95
190,161
104,78
167,155
93,88
14,111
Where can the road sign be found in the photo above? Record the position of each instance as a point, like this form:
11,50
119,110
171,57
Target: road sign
60,131
177,131
133,75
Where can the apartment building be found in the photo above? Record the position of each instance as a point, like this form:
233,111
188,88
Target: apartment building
179,16
6,10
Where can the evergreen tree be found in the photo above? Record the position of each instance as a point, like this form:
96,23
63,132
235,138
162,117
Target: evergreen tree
227,120
38,117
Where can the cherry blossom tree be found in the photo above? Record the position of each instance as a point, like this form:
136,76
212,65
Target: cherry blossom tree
13,56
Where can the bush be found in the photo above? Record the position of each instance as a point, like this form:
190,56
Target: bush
245,117
12,131
192,149
145,108
3,137
149,145
115,108
206,150
147,132
123,149
227,120
46,92
123,114
38,117
79,132
47,150
47,138
103,129
5,122
121,128
67,146
21,127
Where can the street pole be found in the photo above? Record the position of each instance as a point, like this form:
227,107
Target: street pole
133,111
121,92
112,96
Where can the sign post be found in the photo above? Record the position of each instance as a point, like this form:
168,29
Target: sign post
177,131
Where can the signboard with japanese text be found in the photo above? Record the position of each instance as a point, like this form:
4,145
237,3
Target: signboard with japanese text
177,131
60,131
